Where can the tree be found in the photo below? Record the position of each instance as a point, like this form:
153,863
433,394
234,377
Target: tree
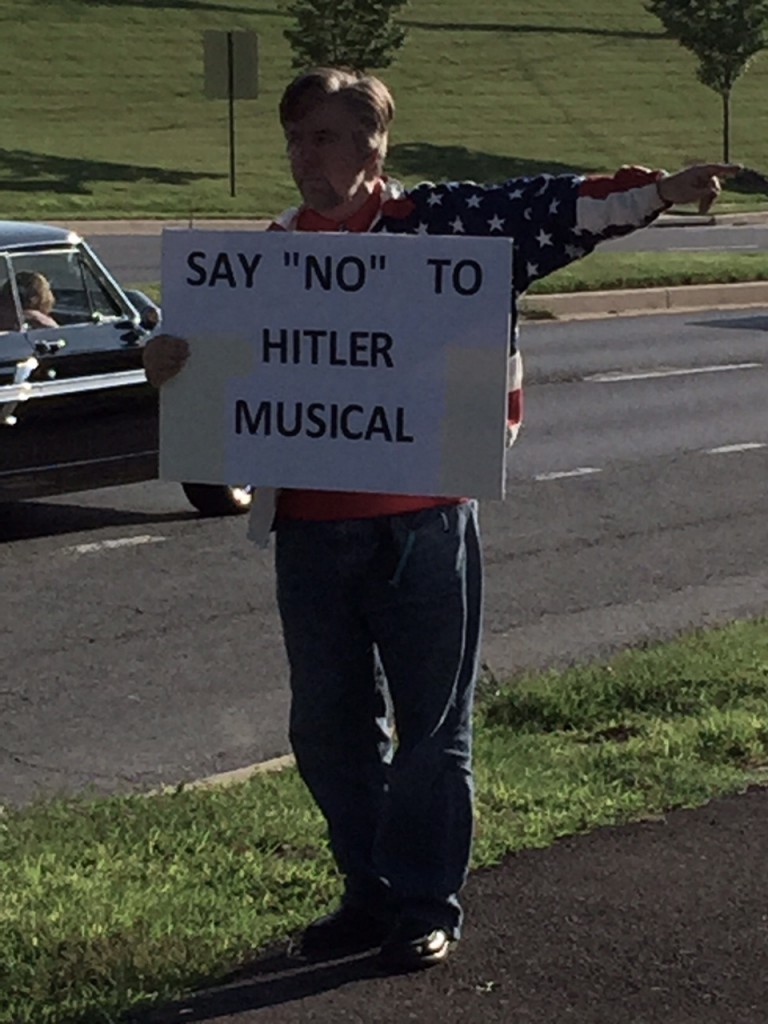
356,34
724,35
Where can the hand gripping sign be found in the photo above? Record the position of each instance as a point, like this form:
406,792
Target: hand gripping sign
337,361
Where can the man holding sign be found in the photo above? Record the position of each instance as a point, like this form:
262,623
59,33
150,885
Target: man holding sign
380,595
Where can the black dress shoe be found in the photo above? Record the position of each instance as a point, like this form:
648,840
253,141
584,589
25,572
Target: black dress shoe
412,945
349,929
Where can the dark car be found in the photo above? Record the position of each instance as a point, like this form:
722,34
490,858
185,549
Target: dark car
76,411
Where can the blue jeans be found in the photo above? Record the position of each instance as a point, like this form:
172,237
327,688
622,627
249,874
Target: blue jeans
402,594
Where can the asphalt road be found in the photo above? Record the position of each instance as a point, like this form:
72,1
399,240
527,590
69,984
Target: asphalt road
135,259
142,643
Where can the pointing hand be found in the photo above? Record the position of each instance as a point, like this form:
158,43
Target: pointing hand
699,183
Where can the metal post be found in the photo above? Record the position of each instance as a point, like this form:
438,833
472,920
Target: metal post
230,65
231,97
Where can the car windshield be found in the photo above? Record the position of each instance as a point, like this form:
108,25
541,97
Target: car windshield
79,294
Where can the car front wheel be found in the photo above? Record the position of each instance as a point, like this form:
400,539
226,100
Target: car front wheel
218,500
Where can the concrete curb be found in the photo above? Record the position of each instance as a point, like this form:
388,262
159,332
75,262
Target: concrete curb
231,778
648,300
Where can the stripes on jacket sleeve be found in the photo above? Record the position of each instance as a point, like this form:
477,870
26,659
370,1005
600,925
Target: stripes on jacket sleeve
514,397
613,205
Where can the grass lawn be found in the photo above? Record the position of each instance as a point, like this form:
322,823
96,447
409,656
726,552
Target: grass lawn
111,902
105,114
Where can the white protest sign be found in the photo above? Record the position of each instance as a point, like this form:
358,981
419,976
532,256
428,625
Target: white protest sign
337,361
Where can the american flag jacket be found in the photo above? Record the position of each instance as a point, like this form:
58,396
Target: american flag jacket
553,220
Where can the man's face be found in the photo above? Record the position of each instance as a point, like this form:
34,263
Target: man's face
326,161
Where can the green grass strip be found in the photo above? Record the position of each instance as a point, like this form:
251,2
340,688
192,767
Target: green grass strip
607,270
109,902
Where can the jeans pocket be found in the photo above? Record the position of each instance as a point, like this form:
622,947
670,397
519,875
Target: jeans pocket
430,542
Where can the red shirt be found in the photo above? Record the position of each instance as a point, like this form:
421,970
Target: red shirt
322,505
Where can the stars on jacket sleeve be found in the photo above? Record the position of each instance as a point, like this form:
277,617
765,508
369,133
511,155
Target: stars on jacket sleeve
538,213
552,219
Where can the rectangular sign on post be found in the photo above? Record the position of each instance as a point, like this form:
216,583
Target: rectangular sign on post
338,361
231,72
231,57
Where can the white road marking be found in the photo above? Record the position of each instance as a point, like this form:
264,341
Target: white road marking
118,542
581,471
610,378
708,248
725,449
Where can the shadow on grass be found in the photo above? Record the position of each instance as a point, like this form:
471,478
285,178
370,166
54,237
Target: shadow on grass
24,171
187,5
526,29
273,980
748,181
456,163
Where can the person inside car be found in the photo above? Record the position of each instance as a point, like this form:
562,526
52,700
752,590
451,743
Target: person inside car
36,299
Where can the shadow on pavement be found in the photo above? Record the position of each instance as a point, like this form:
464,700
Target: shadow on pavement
28,520
662,921
759,322
270,981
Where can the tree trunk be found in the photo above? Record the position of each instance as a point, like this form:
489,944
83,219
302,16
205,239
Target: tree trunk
727,127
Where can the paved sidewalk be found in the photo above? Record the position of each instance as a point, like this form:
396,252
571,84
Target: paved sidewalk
664,921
